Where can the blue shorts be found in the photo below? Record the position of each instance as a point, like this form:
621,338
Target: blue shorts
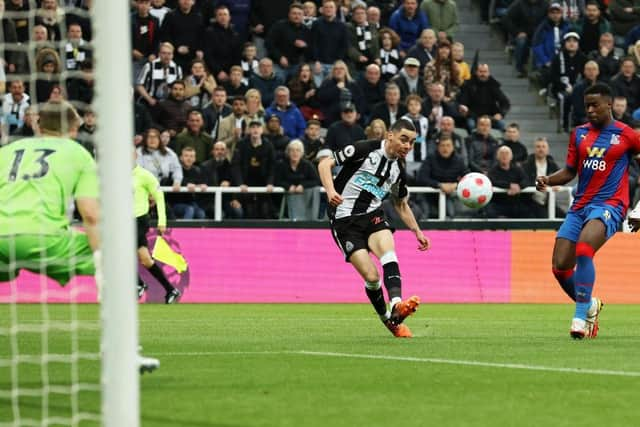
610,216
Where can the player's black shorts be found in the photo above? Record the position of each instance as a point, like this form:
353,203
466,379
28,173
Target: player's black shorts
142,223
352,233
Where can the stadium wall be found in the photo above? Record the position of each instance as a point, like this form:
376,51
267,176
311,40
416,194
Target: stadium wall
239,265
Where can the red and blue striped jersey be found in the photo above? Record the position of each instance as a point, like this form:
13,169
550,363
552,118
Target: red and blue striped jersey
601,159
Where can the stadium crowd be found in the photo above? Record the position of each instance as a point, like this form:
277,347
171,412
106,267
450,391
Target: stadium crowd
256,92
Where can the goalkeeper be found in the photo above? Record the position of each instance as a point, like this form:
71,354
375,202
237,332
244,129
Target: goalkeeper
39,178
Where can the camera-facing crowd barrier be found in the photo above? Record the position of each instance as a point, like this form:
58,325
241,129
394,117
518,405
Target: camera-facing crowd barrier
277,265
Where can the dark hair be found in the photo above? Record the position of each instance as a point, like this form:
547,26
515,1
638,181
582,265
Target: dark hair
514,125
145,147
296,5
601,89
178,82
402,124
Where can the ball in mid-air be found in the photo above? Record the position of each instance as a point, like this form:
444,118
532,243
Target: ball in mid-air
475,190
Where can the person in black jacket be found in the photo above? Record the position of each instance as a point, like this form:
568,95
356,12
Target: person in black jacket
189,205
372,88
346,131
566,67
329,41
254,165
443,170
520,22
145,36
183,28
336,91
510,177
391,109
481,95
217,173
300,179
288,42
540,163
222,45
511,139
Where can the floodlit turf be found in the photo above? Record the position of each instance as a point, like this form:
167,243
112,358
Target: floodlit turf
336,365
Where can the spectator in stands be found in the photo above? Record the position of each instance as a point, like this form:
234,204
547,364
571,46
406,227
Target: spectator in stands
233,127
521,21
632,37
620,110
442,170
379,12
625,14
199,85
443,16
605,56
157,75
222,45
141,122
310,13
76,49
572,11
391,109
216,111
329,41
345,131
447,129
578,113
14,106
390,61
540,163
266,81
20,9
235,86
443,69
425,49
457,54
49,67
420,149
372,88
408,22
195,136
566,69
627,83
591,26
336,91
312,140
364,43
240,11
274,133
145,36
482,96
217,173
435,107
184,28
303,92
159,10
39,40
547,41
409,80
86,130
482,146
511,139
264,14
31,123
255,110
51,16
160,160
288,42
376,130
80,89
249,62
171,113
254,165
290,116
634,53
189,205
300,180
509,176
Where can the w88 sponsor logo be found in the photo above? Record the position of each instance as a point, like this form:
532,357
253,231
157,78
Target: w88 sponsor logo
594,164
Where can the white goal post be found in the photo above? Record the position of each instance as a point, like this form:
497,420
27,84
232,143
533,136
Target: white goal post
119,310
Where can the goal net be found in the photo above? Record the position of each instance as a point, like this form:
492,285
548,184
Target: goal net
67,355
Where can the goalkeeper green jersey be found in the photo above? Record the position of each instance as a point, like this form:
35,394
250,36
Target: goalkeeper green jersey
145,185
39,178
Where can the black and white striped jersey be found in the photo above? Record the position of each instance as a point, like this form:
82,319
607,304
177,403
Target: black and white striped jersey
366,178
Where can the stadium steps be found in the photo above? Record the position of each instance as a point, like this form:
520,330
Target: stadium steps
527,108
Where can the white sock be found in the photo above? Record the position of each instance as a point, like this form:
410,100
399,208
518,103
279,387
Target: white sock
393,302
386,316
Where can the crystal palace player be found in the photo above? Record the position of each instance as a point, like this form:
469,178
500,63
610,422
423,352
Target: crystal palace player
599,153
370,171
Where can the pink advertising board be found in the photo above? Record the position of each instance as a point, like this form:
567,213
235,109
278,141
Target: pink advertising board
299,265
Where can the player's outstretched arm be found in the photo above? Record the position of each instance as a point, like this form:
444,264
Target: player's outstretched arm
89,209
406,215
560,177
326,177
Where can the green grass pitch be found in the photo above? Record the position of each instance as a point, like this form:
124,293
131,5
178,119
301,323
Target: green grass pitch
336,365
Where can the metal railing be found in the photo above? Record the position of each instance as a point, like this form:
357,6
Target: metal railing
442,197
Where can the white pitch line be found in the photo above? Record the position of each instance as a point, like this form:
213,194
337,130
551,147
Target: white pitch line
604,372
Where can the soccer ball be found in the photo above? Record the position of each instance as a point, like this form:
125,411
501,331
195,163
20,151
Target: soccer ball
475,190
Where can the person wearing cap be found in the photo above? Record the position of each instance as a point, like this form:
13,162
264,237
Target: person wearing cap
591,26
274,133
409,79
547,41
520,22
566,67
312,140
345,131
